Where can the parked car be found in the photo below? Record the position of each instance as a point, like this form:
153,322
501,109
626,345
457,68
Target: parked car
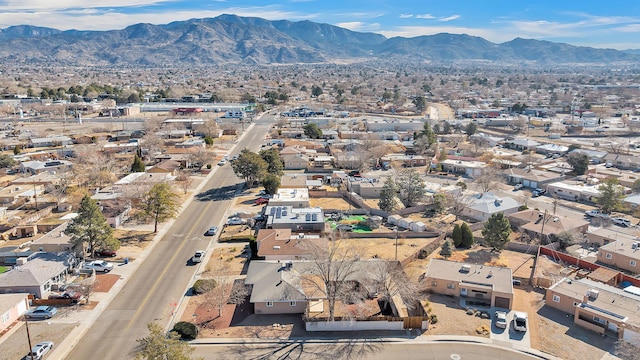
520,321
38,351
41,312
621,221
596,213
212,231
261,201
70,294
98,266
538,192
198,256
105,253
518,187
236,221
501,319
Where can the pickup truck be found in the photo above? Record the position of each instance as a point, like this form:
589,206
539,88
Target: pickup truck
596,213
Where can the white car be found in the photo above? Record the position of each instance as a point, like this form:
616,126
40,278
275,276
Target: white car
98,266
520,321
222,162
212,231
621,221
236,221
501,319
198,256
40,350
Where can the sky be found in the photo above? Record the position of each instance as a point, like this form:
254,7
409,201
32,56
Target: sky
596,23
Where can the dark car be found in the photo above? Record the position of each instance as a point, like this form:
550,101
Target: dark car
261,201
106,253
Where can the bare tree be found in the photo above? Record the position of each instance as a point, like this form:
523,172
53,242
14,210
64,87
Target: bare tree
184,180
458,200
487,178
389,280
201,157
227,290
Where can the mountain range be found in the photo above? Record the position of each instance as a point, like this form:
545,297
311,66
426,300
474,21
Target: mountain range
230,39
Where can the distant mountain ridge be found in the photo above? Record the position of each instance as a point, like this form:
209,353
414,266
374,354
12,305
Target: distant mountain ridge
231,39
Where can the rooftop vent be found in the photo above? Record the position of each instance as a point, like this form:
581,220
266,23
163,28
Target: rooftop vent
465,268
276,247
592,294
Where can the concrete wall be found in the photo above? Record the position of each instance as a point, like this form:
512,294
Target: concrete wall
280,308
353,325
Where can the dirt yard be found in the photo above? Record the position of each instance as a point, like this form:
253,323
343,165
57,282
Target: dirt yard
227,261
453,319
17,345
331,203
132,242
386,248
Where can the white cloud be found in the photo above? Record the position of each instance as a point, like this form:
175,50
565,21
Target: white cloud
34,5
359,26
406,16
449,18
425,16
631,28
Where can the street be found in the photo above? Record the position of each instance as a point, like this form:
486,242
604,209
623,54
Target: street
153,292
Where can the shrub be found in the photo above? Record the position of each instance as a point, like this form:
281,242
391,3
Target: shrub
433,319
186,330
208,166
202,286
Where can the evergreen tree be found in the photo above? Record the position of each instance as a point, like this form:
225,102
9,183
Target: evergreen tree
90,227
275,165
249,166
160,203
611,195
160,346
467,236
456,235
446,250
388,201
496,231
271,183
208,140
428,134
579,162
138,164
471,128
312,131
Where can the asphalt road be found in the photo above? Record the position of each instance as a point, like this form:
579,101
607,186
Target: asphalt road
154,290
358,349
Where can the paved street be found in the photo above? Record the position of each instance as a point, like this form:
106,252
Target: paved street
154,291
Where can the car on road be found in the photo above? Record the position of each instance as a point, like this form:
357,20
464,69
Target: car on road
261,201
212,231
518,187
222,162
234,157
538,192
38,351
98,266
198,256
236,221
595,213
41,312
501,319
621,221
520,321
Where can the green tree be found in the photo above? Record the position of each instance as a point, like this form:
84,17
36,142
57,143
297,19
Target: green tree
574,147
271,183
90,227
611,195
467,236
312,131
138,164
428,134
446,250
456,235
496,231
636,186
579,162
440,203
411,186
249,166
388,201
7,161
16,150
275,165
316,91
471,128
208,140
420,104
160,204
160,346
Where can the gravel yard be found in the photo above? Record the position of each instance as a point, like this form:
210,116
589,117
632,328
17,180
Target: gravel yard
17,345
453,319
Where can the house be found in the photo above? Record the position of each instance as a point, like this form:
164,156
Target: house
470,281
13,194
482,206
531,178
12,306
295,161
522,144
170,167
367,188
36,167
54,241
293,181
296,219
573,190
599,307
116,211
460,165
632,201
541,225
405,160
552,149
594,156
296,198
54,140
483,139
604,236
276,287
46,178
623,161
37,274
282,244
624,255
376,125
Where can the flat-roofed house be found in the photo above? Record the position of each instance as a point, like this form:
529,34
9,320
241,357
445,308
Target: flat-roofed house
599,307
624,255
473,282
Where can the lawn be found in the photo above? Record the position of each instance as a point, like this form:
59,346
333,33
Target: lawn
354,220
3,269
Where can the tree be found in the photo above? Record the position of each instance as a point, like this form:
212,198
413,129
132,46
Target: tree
471,128
275,165
160,203
611,195
486,179
16,150
90,227
228,290
411,186
316,91
138,164
446,250
271,183
439,203
579,162
420,104
160,346
456,235
636,186
564,239
428,134
389,280
388,201
249,166
312,131
184,180
208,140
496,231
6,161
467,236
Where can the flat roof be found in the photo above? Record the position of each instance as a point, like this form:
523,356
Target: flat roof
497,278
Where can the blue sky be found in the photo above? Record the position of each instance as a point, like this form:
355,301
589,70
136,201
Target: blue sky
603,24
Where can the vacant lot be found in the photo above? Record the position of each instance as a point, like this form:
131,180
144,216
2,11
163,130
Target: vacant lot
386,248
453,319
331,203
17,345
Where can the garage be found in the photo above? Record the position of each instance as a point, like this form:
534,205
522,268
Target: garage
503,302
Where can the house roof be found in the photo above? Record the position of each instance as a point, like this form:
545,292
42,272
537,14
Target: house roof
38,270
552,224
281,242
8,301
274,281
489,203
624,248
166,166
533,174
498,278
55,236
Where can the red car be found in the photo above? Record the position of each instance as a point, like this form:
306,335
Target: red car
105,253
261,201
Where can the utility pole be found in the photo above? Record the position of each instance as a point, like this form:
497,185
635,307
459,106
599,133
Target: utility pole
26,323
396,236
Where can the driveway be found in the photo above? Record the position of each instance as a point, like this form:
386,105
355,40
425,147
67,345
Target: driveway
509,335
